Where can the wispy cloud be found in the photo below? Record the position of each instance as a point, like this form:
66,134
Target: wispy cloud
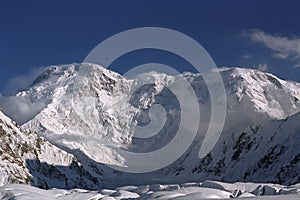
23,81
247,56
263,67
19,108
282,47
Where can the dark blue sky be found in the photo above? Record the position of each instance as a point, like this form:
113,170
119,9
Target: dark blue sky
235,33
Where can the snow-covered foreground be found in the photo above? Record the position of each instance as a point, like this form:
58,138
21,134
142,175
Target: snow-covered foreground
189,191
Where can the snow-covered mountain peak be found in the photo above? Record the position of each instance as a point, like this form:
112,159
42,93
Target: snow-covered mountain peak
248,84
86,99
92,112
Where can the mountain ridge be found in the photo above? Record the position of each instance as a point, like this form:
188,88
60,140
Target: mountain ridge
257,108
27,158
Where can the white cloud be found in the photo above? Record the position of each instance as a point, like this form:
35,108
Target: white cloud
282,47
263,67
247,56
20,109
281,55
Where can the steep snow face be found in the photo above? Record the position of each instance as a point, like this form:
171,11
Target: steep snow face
27,158
61,124
265,92
112,115
108,119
